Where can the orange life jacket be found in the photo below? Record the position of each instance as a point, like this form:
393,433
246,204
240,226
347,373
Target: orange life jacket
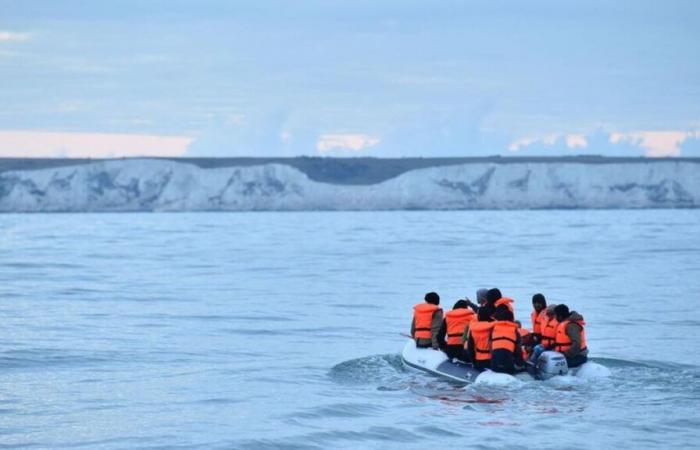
505,301
480,333
524,332
549,332
456,321
423,317
504,335
537,321
563,341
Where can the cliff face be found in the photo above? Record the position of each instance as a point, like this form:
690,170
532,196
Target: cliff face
162,185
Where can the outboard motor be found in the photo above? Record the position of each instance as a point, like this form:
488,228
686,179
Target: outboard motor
550,364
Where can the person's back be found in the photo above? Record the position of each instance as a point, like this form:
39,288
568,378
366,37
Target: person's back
506,350
454,328
427,319
477,342
571,336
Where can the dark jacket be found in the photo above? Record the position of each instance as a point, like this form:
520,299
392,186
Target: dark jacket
573,330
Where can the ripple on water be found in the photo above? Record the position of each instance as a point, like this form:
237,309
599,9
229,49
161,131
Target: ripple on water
371,369
343,410
50,357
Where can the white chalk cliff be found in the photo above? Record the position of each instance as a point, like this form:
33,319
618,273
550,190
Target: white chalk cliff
161,185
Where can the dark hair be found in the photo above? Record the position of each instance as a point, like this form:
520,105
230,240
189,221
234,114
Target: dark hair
561,311
539,298
503,313
460,304
432,298
492,295
484,315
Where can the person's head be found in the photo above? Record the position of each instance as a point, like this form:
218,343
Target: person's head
503,313
539,302
561,312
518,323
550,311
481,296
483,315
460,304
432,298
492,295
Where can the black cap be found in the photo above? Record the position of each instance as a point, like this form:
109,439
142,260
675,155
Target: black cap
503,313
492,295
460,304
432,298
539,298
561,311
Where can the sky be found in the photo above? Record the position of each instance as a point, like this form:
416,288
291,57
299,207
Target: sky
396,78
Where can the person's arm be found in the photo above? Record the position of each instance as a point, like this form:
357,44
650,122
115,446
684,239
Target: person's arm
574,332
474,307
435,328
442,333
465,335
413,328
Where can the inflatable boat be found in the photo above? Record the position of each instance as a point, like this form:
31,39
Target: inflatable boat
549,364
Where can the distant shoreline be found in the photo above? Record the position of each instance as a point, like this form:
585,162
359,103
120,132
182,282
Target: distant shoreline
346,171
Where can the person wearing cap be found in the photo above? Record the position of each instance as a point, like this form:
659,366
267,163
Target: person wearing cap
505,342
492,296
477,342
453,329
481,297
427,320
538,316
571,336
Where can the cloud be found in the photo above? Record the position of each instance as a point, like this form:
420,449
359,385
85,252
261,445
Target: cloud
349,142
653,143
576,141
9,36
46,144
571,141
656,143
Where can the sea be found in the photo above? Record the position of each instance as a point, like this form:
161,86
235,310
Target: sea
269,330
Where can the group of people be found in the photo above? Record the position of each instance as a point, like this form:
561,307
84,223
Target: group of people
487,335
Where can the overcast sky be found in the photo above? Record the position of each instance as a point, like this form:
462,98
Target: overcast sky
349,78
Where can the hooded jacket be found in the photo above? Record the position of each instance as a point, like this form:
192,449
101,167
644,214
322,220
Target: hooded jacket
573,330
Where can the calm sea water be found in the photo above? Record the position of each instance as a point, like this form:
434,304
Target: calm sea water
281,330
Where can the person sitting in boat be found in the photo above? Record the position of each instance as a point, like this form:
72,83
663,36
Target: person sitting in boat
548,333
426,323
506,348
477,341
453,328
538,316
571,336
489,305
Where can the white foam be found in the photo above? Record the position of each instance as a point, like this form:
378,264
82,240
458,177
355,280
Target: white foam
490,378
592,370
